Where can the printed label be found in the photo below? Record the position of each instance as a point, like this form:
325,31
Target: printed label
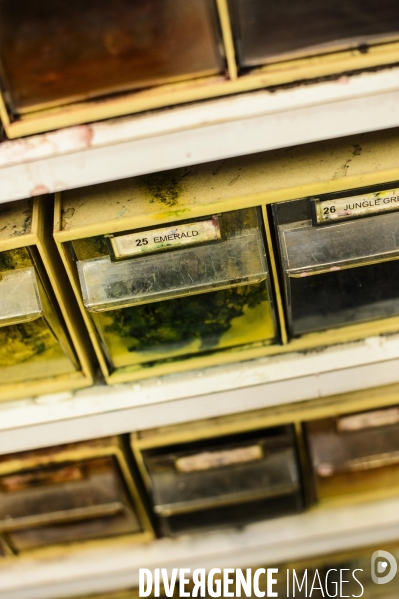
216,459
357,422
174,236
356,206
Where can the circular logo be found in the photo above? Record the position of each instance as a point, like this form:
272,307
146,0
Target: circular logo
383,567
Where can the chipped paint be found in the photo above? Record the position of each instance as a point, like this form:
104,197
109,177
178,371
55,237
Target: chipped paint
39,190
37,147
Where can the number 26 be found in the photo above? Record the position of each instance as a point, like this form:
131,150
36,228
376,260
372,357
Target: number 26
330,210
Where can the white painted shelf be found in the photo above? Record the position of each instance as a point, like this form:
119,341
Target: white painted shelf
101,411
200,132
115,565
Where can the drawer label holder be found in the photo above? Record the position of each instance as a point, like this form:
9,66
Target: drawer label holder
368,204
172,237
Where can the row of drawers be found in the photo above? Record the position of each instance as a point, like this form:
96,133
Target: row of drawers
111,487
189,292
55,55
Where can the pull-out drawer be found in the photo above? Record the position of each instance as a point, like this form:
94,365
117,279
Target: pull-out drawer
54,53
44,347
184,288
266,32
339,256
33,340
225,481
355,454
68,494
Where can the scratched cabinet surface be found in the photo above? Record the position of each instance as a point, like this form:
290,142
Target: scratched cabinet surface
224,481
181,289
339,258
54,52
266,31
65,494
33,340
355,454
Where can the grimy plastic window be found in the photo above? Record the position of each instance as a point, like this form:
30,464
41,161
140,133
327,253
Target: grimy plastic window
33,340
225,481
54,52
50,498
355,454
267,31
339,257
180,289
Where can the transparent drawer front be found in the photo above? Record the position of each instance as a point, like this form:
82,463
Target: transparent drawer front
33,342
19,297
55,52
225,481
356,453
339,274
186,288
309,250
186,326
107,285
265,31
66,502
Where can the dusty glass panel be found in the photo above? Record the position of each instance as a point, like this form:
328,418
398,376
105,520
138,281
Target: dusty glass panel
356,453
225,481
65,502
33,342
337,274
178,299
266,31
53,52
